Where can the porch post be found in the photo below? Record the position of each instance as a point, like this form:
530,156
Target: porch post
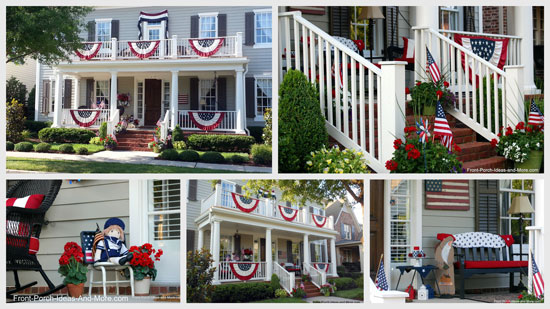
515,93
216,245
268,255
361,257
113,98
76,93
306,249
239,100
174,100
58,107
333,256
523,27
200,242
326,250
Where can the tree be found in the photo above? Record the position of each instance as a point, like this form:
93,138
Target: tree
47,34
200,274
16,90
30,103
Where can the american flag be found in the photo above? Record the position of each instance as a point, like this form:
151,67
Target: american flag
441,127
433,68
98,236
448,194
535,116
183,99
381,282
538,282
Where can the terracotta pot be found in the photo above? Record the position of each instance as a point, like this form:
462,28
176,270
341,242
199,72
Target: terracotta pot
75,290
142,287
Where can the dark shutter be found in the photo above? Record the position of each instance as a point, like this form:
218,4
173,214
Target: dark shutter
191,241
192,193
250,97
469,19
487,214
91,31
222,94
312,255
222,25
195,26
194,93
288,204
238,189
67,95
340,21
115,28
89,92
289,251
238,244
249,28
301,252
323,253
391,21
46,88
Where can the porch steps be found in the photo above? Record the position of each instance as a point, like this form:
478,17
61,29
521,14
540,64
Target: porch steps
310,288
134,140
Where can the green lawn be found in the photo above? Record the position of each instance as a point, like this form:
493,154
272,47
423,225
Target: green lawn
282,300
91,148
65,166
356,293
228,155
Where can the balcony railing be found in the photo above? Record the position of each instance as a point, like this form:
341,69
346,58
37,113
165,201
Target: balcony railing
173,48
225,273
266,208
228,123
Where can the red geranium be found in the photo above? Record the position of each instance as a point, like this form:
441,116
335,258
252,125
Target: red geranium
529,129
142,260
446,83
409,147
509,131
520,126
439,94
397,143
494,142
418,83
391,165
520,296
410,129
413,154
407,90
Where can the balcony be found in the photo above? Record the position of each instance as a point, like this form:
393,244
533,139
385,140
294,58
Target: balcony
222,198
173,48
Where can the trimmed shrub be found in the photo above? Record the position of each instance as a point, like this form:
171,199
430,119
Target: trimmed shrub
280,293
179,145
212,157
96,141
189,156
275,282
24,147
36,126
66,148
343,283
242,292
177,134
256,132
238,159
221,143
15,120
103,130
359,282
352,275
82,151
169,154
301,123
26,134
65,135
261,154
43,147
9,146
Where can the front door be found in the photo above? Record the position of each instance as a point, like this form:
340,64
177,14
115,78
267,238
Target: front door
152,101
376,224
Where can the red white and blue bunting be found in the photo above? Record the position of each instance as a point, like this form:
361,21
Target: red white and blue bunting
84,118
245,204
289,214
206,47
143,49
89,50
152,18
319,220
243,270
207,120
321,266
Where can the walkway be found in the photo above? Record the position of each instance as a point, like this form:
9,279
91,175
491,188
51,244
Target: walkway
136,157
331,299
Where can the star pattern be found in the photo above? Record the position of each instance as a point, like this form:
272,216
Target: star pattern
483,48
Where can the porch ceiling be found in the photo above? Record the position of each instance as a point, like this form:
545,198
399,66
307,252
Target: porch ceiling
230,228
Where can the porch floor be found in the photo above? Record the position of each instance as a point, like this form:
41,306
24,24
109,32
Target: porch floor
491,297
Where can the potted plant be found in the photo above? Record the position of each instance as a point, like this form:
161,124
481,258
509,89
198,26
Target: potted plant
306,278
143,264
327,289
73,269
523,145
247,255
123,101
110,142
424,96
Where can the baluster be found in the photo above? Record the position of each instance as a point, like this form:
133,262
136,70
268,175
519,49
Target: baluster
329,81
312,56
287,45
504,104
362,133
460,90
379,111
321,77
496,110
488,93
371,112
474,95
467,85
452,76
345,92
337,88
306,60
354,100
297,56
481,100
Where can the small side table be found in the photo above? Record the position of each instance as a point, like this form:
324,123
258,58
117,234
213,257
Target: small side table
423,271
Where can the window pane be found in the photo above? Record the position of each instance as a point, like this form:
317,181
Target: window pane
263,28
164,197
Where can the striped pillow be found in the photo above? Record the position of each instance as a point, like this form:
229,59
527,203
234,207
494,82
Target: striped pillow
30,202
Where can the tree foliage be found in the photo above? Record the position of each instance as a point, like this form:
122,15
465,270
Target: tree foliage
200,274
15,121
47,34
16,90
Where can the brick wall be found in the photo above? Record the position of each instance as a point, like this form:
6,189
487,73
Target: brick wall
346,218
491,20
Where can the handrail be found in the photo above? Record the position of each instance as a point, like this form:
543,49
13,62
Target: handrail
164,126
115,117
481,34
286,278
318,278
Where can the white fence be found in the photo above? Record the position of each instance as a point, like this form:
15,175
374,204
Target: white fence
226,274
228,123
68,121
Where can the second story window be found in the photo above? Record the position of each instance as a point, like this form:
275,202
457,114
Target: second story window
208,25
347,231
154,30
262,28
103,30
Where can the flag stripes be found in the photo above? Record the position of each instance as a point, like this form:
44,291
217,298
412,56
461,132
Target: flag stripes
441,194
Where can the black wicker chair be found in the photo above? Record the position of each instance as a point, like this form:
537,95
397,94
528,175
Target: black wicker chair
18,241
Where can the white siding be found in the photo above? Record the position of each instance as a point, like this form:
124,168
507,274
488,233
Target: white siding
25,73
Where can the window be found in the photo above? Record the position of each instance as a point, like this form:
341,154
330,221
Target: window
318,252
208,25
262,28
347,256
448,17
295,252
360,30
102,92
164,210
227,188
207,94
538,25
226,248
347,231
509,189
400,220
103,30
140,100
263,96
165,98
154,31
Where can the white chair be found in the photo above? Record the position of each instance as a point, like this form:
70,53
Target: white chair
104,267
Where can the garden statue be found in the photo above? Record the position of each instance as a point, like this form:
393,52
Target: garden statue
111,248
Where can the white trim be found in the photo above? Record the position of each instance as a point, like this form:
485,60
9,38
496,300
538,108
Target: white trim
262,45
37,93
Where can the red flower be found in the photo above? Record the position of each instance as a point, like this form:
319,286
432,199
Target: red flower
457,149
413,154
409,147
529,129
446,83
418,83
520,296
410,129
407,90
439,94
63,260
397,143
494,142
520,126
499,134
509,131
391,165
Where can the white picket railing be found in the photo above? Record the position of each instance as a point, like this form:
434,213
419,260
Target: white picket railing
287,279
113,121
164,125
225,273
68,121
228,123
350,88
318,278
477,106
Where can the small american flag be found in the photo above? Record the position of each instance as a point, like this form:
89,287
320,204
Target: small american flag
538,282
433,68
183,99
447,194
381,282
535,116
441,127
97,237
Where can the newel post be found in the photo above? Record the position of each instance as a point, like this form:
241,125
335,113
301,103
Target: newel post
239,45
515,109
392,106
114,46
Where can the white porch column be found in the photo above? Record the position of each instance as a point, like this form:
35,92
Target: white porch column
333,256
216,245
361,254
173,100
240,100
76,103
326,250
515,94
424,16
306,249
58,107
37,97
113,97
200,242
268,254
522,25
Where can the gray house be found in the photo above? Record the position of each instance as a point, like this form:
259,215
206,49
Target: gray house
172,62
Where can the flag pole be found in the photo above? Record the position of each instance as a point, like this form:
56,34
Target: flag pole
379,263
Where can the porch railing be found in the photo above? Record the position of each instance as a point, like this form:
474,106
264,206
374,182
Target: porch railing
354,94
165,123
287,279
172,48
225,273
486,96
113,121
228,123
318,278
67,119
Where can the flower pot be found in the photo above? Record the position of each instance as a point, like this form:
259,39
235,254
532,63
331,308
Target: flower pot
75,290
109,147
327,294
428,110
532,164
142,287
156,150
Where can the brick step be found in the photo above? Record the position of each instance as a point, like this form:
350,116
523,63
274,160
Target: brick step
134,141
475,151
316,294
127,148
487,163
